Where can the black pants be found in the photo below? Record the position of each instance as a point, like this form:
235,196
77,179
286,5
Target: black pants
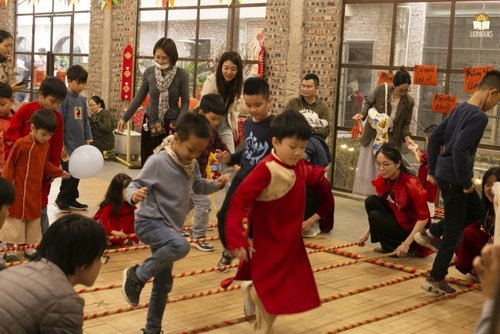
384,227
459,208
312,205
148,143
221,215
68,191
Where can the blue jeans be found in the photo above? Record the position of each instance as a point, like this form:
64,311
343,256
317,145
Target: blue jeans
167,246
44,220
200,218
457,209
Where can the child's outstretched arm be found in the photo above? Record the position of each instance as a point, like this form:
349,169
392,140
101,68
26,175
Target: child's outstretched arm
139,195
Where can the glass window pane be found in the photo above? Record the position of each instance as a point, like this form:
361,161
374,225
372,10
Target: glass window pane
213,34
43,7
62,6
475,42
185,3
81,35
42,33
346,159
149,4
23,7
251,32
82,6
182,29
62,34
152,28
437,26
374,28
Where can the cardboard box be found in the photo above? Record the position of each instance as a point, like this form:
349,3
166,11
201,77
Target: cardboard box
121,142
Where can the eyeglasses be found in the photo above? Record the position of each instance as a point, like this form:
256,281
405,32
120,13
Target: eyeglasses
385,164
104,259
402,91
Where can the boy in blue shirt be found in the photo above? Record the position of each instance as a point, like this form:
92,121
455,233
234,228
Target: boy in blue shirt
258,144
76,133
453,170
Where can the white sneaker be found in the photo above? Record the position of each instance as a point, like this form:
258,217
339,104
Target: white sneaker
313,231
248,304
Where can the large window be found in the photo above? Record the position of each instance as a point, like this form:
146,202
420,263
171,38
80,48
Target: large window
202,31
383,36
50,37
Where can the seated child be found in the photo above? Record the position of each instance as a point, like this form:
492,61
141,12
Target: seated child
115,213
271,201
478,234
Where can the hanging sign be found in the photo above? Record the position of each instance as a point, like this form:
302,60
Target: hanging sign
127,73
472,77
384,77
425,75
443,103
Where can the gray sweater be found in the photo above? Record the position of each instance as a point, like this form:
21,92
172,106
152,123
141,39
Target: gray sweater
178,88
169,190
37,297
76,121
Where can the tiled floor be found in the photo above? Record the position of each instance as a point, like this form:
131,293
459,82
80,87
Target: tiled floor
366,297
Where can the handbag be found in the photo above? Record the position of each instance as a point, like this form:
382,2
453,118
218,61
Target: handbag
357,129
156,127
370,120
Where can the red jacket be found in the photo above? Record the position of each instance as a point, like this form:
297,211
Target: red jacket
26,166
4,124
124,221
20,127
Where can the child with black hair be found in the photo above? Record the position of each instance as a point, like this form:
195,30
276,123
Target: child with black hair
423,170
164,186
6,113
271,202
25,168
213,108
115,213
50,94
76,133
452,168
257,97
38,297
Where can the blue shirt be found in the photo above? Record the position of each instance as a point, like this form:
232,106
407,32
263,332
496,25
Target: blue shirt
458,135
75,121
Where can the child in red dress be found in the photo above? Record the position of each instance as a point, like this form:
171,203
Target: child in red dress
115,213
271,200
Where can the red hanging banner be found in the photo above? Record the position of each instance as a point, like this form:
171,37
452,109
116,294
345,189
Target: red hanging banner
127,72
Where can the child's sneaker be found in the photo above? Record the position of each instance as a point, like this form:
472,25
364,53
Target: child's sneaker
313,231
11,256
425,240
63,207
203,246
248,303
131,286
440,288
186,234
75,205
29,253
225,260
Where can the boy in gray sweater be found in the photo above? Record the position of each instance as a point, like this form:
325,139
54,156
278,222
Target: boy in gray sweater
164,186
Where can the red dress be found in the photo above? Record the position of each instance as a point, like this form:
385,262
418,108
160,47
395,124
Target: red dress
20,127
272,199
4,124
124,221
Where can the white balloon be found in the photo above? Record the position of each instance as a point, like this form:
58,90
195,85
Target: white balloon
85,162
